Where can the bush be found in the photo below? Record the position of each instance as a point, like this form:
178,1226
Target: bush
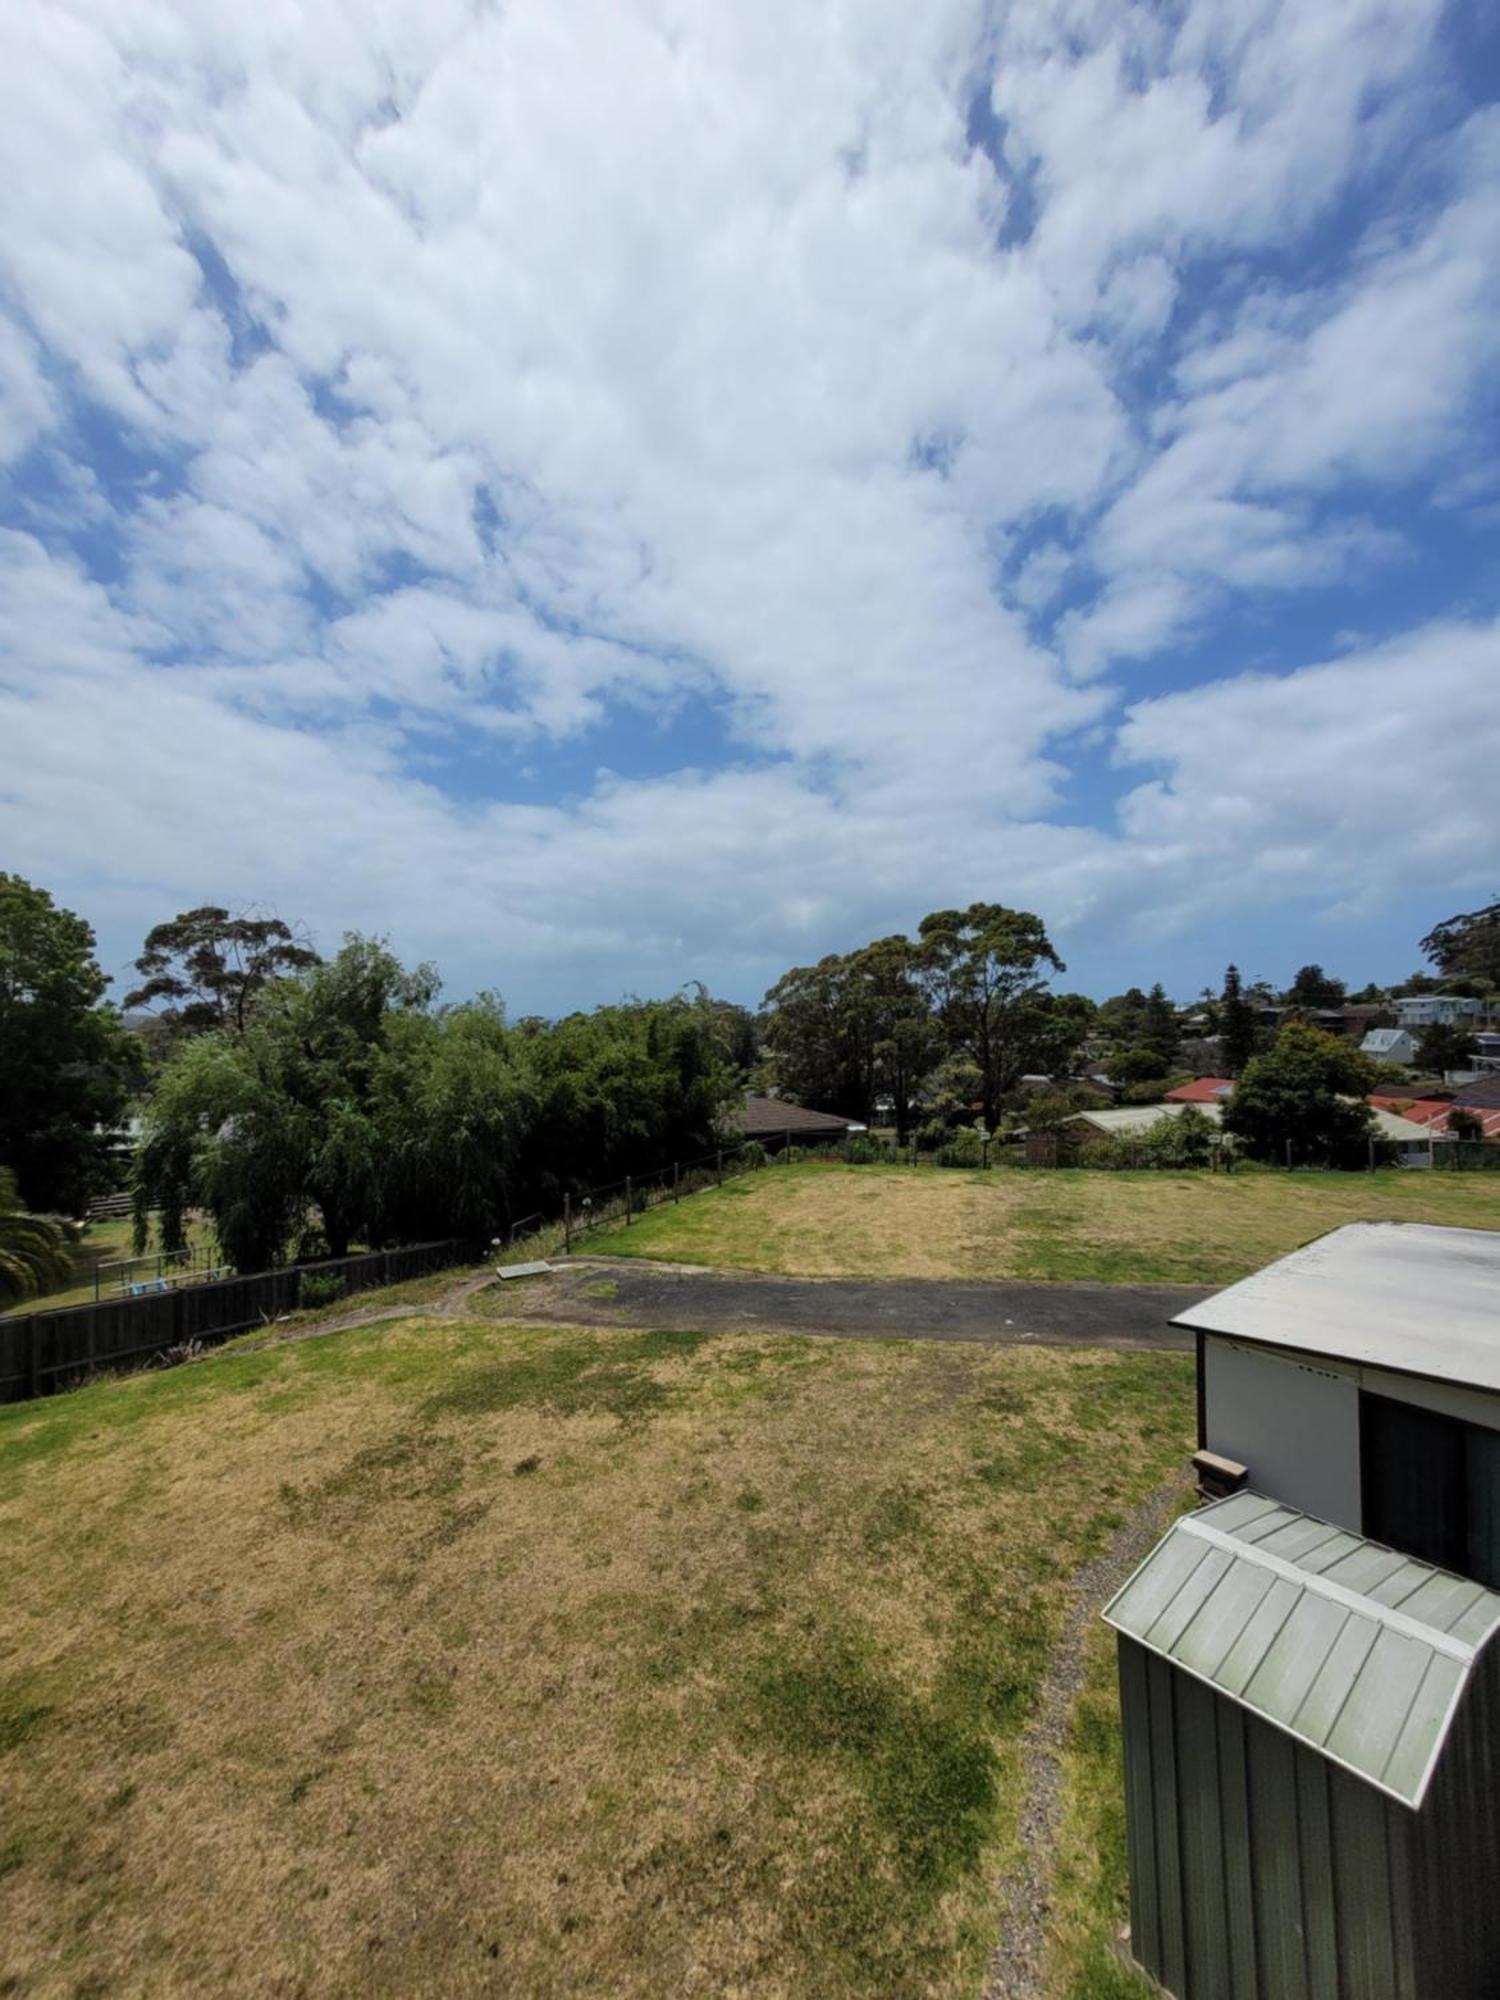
319,1288
964,1149
751,1154
860,1150
932,1135
1187,1140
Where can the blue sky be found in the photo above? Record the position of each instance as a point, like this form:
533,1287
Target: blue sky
613,494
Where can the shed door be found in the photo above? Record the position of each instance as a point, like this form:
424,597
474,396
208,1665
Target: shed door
1431,1486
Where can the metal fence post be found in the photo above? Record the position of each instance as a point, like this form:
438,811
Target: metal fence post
676,1176
719,1164
567,1222
34,1358
629,1202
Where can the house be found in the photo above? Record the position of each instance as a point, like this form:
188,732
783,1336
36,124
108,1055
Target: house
1481,1093
1310,1691
1392,1045
1448,1010
1202,1090
770,1119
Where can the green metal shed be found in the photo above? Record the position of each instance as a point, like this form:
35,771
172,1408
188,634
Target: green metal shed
1312,1764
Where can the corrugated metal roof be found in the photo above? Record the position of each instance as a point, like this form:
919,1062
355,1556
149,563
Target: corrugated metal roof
1347,1646
1412,1296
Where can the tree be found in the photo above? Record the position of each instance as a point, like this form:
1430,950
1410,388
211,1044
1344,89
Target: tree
1465,1125
821,1035
1444,1046
1307,1092
906,1042
1159,1025
1467,946
1313,988
1123,1018
984,968
1141,1065
212,967
63,1055
34,1253
1236,1024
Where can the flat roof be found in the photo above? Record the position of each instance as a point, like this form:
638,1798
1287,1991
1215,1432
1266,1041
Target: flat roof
1129,1118
1351,1648
1409,1296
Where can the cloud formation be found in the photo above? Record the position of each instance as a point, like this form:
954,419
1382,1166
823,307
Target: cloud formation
610,493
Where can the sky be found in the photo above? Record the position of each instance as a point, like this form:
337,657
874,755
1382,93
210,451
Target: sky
609,493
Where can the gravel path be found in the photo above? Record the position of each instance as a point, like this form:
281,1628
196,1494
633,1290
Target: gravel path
1019,1961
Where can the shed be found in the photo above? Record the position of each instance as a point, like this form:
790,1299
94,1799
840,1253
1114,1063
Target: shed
1310,1723
1358,1379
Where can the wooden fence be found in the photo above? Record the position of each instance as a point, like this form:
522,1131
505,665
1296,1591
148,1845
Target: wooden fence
44,1351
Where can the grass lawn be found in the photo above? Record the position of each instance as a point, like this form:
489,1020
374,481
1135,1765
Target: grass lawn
104,1244
817,1220
455,1656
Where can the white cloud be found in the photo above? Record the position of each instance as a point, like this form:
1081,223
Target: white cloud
488,376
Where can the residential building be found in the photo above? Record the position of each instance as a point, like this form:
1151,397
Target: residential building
1413,1142
770,1119
1427,1010
1392,1045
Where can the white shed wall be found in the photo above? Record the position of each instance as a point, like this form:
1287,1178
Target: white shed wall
1294,1423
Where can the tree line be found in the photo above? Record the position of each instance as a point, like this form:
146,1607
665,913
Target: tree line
306,1105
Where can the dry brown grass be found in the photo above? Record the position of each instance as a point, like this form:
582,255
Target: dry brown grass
468,1658
817,1220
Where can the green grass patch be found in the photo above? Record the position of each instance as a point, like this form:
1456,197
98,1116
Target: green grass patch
826,1220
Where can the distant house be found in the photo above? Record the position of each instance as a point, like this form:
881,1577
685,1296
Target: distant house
771,1118
1447,1010
1202,1090
1392,1045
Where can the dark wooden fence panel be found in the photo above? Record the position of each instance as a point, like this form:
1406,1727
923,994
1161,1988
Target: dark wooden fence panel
43,1351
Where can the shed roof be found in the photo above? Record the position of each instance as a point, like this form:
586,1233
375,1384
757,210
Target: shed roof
1410,1296
1361,1653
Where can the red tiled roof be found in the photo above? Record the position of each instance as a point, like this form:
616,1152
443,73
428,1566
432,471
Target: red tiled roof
1202,1090
1434,1112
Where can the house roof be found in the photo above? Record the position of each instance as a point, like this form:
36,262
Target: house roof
1359,1652
772,1117
1482,1094
1202,1090
1128,1118
1407,1296
1433,1112
1384,1038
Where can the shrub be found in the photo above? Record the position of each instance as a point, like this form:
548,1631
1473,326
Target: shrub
964,1149
932,1135
319,1288
860,1150
751,1154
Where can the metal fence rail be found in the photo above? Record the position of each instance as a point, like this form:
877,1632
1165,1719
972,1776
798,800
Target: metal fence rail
44,1351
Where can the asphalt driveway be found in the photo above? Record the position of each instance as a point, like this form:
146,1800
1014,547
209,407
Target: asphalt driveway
620,1291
